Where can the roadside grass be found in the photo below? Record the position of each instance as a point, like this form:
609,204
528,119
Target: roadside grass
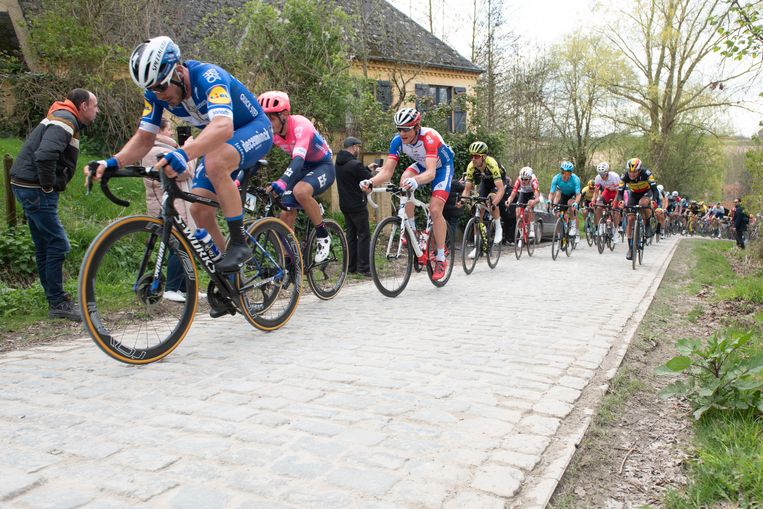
726,465
22,301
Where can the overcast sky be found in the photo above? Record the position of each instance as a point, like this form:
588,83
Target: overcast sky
541,23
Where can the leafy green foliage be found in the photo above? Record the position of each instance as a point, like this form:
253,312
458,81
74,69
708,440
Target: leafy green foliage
17,257
721,375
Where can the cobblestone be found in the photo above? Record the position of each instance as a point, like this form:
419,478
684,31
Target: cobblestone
361,401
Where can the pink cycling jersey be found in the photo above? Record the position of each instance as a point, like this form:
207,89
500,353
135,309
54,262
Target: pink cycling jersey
302,140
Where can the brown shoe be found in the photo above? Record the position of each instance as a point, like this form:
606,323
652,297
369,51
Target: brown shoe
65,309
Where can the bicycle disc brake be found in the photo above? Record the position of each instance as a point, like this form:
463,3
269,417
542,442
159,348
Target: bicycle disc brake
144,292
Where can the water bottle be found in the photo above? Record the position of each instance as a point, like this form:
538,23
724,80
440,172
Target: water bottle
203,236
423,239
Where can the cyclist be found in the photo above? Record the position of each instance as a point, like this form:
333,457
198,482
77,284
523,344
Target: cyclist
586,197
673,206
236,133
692,212
527,188
605,190
485,165
642,187
432,162
565,188
310,172
659,210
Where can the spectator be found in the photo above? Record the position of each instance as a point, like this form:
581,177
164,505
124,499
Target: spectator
352,202
451,211
174,289
741,220
45,165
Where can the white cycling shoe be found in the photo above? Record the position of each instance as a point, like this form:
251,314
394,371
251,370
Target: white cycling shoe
472,254
323,250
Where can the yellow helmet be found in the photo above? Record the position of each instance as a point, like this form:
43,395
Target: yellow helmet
590,183
478,148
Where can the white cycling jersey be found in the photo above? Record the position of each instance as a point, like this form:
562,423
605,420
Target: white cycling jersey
611,184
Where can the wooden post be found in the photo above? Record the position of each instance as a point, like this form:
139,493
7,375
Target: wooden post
10,200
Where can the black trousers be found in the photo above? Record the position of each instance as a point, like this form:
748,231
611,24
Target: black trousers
358,240
740,236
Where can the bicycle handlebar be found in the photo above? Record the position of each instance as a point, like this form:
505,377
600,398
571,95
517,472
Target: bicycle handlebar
127,171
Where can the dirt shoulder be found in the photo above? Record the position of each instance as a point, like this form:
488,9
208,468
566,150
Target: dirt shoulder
636,445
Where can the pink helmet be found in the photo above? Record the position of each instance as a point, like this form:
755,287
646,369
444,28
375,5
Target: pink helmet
274,101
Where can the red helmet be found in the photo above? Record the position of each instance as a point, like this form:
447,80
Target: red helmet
274,101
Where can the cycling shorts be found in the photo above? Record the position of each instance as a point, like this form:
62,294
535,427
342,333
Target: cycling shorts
607,195
252,141
634,198
442,178
487,186
566,198
524,198
320,177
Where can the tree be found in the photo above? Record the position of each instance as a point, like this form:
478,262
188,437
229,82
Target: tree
257,44
744,33
577,93
667,42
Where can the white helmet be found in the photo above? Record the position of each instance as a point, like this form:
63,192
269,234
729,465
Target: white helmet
407,117
675,194
526,173
660,188
152,61
602,168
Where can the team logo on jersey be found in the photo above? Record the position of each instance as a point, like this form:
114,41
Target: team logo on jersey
298,131
148,108
218,95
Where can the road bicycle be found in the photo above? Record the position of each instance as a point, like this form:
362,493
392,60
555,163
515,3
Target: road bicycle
124,271
326,278
396,248
479,236
522,238
638,233
605,233
562,241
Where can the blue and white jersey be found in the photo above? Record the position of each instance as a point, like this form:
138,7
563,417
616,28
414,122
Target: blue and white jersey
214,93
572,186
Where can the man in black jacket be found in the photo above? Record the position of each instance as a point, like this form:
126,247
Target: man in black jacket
43,168
741,220
352,202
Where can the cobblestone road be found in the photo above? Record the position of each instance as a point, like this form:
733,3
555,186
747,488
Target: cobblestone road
460,397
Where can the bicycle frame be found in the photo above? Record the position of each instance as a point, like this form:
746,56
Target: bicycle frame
404,199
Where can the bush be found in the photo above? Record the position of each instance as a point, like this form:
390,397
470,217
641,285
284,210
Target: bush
17,257
722,374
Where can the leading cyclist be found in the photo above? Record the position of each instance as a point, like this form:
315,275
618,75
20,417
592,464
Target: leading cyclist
433,162
236,133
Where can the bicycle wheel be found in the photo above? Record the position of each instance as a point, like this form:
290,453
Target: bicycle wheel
601,239
518,240
531,242
121,299
493,247
270,283
642,239
589,231
327,278
634,242
391,257
450,256
471,246
558,238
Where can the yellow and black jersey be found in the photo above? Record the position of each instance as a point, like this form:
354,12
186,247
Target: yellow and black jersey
639,185
491,168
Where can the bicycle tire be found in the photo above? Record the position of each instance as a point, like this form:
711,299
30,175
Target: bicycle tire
108,265
589,232
450,256
270,283
634,242
518,240
532,242
601,240
493,249
472,241
642,242
328,277
391,257
556,240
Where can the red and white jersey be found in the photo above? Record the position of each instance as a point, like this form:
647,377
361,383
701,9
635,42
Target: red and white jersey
611,184
530,187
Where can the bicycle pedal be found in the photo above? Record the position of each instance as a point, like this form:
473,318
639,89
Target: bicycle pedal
217,312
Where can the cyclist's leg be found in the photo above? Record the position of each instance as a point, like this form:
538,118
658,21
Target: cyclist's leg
315,181
440,192
410,208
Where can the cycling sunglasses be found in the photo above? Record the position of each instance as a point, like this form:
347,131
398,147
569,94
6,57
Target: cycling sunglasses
405,129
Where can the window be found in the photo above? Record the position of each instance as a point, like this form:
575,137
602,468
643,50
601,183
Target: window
383,93
428,96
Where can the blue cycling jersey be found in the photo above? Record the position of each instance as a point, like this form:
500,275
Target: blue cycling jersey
214,92
572,186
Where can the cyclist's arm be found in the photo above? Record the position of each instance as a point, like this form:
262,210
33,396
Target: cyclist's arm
387,169
499,194
135,149
467,188
428,175
214,135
